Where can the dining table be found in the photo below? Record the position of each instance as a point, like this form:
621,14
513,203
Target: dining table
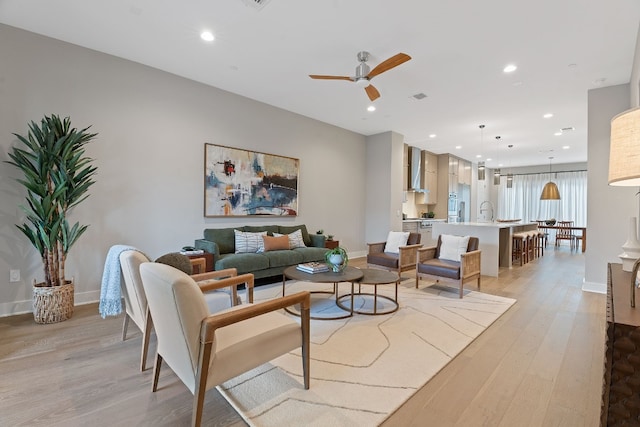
582,237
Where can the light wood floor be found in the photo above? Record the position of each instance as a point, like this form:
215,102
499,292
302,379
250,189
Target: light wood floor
539,365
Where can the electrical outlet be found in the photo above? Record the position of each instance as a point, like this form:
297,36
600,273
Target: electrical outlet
14,275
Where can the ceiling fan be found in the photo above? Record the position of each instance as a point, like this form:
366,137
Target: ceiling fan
363,75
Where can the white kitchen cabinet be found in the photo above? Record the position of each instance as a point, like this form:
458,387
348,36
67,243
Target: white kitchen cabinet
426,237
411,226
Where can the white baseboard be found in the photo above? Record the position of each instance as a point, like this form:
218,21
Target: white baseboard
599,288
26,306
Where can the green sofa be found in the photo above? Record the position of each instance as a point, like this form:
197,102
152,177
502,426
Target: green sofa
221,243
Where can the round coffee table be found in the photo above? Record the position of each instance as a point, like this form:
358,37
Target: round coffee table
349,274
375,277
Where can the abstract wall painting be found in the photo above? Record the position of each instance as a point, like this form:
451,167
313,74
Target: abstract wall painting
246,183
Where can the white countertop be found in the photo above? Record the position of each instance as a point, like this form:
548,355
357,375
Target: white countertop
493,224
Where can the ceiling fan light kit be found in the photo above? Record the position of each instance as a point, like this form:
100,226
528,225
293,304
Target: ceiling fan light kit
364,74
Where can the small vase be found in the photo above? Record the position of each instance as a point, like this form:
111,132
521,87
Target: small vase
631,247
336,262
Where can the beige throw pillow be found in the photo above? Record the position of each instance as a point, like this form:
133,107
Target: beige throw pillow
395,239
295,239
452,247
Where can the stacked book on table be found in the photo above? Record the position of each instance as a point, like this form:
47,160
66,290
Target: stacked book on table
313,267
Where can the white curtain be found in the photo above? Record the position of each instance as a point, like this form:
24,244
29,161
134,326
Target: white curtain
522,201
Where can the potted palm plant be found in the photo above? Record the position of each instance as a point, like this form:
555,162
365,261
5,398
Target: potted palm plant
56,176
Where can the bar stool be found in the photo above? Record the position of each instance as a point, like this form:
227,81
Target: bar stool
519,247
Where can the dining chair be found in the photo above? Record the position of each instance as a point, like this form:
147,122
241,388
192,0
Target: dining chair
564,232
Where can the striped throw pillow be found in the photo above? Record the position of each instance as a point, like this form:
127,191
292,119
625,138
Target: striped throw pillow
295,239
249,242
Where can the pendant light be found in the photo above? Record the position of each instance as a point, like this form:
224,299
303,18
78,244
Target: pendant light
496,172
550,190
509,175
481,167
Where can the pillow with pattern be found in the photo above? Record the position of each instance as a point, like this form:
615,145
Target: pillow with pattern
249,243
295,239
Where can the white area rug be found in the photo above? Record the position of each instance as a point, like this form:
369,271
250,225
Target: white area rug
364,367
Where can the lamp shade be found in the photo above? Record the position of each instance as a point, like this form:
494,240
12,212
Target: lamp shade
481,171
550,192
624,151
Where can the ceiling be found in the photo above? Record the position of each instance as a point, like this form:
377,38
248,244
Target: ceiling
459,49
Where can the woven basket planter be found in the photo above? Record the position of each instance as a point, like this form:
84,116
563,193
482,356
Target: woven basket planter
52,304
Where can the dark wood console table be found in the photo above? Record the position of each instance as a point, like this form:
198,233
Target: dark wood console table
621,386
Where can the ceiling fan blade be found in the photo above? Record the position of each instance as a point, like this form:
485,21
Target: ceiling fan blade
315,76
372,92
390,63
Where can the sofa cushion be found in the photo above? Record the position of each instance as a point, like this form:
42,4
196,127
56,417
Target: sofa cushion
311,254
295,239
272,243
270,229
249,242
383,259
283,258
440,267
245,263
224,238
284,229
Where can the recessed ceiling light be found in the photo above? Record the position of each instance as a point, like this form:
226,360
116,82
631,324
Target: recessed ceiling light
558,133
510,68
458,147
478,156
371,108
565,147
548,116
207,36
433,135
489,159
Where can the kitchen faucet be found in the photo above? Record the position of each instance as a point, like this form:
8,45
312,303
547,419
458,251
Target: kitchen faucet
485,209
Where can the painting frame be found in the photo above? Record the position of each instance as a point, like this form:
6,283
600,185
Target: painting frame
246,183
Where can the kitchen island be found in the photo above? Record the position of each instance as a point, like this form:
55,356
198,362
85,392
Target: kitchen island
495,240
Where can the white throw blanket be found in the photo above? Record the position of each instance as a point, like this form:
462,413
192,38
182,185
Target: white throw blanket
110,291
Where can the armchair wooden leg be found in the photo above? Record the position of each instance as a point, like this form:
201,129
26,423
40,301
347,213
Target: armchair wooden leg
201,383
156,372
146,335
306,357
461,288
125,325
417,280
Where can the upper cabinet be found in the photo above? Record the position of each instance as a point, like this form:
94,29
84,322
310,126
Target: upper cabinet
405,168
430,179
464,172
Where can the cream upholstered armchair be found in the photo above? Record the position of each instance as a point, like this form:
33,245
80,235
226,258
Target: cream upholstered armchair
392,256
205,349
220,287
454,259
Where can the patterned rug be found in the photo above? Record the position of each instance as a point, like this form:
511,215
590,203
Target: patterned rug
364,367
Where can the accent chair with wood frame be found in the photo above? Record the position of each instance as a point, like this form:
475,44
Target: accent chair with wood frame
204,349
404,260
213,283
430,265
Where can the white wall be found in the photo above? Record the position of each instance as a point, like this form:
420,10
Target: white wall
152,128
384,185
608,208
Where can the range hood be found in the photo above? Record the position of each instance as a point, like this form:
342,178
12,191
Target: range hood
416,175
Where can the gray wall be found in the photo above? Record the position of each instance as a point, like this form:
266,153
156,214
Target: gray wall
384,185
608,208
152,128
